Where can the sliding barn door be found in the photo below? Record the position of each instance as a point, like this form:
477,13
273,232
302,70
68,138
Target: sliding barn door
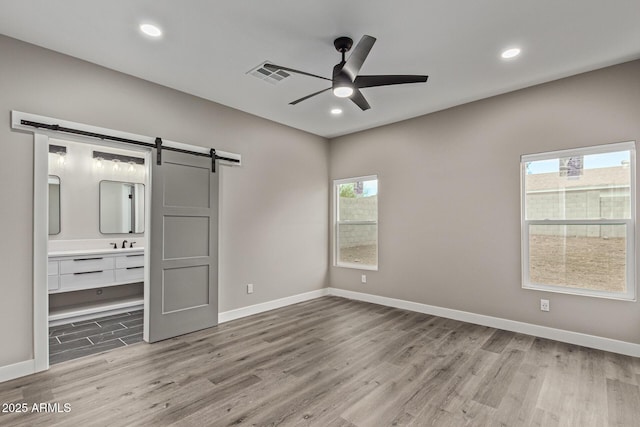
184,246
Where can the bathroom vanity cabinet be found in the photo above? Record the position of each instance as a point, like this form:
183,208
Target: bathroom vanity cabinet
71,271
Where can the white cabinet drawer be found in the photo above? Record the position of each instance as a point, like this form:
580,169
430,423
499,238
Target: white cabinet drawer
125,261
85,280
84,264
52,268
52,282
130,274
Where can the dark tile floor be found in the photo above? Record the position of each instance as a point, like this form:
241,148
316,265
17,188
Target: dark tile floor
74,340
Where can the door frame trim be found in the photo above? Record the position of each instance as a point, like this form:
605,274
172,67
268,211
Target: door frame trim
40,361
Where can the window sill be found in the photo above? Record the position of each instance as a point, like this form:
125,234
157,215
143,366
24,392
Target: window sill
356,266
630,297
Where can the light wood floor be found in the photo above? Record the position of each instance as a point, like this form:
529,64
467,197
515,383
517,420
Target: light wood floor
336,362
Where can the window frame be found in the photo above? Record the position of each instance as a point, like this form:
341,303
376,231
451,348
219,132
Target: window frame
336,224
630,273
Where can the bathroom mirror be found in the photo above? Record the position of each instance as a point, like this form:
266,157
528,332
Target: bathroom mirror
121,207
54,205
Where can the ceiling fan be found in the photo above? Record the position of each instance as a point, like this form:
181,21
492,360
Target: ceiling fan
346,83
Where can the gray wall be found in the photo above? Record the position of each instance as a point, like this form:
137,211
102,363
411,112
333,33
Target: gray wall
449,198
273,222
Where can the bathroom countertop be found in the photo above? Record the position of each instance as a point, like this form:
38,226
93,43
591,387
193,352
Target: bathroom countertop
73,252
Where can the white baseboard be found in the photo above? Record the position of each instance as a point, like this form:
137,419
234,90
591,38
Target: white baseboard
577,338
17,370
238,313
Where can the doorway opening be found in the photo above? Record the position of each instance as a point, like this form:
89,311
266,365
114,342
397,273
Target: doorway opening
180,270
96,247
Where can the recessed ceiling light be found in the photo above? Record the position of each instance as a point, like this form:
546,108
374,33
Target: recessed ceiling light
510,53
151,30
336,111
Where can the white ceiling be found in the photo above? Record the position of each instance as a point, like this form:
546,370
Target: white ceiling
208,46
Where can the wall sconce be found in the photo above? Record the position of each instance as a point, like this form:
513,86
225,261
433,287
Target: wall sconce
60,150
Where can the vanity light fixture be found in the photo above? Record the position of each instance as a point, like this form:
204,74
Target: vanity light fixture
98,162
60,150
116,164
132,167
118,158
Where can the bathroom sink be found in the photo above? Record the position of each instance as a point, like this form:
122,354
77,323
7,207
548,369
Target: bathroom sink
71,252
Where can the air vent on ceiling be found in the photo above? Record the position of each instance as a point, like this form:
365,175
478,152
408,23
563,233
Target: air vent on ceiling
268,76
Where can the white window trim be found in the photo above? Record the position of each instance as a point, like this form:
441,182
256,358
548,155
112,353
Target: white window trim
336,209
630,294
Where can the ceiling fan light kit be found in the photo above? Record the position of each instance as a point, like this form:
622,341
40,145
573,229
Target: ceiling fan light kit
343,91
342,84
345,81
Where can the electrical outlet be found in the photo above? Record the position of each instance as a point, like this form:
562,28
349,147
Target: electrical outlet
544,304
364,278
250,288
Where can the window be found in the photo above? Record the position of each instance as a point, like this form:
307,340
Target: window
578,221
356,222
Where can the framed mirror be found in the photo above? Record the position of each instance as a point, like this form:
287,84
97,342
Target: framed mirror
121,207
54,205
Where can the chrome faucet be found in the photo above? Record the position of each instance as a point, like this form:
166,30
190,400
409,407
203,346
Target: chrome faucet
124,244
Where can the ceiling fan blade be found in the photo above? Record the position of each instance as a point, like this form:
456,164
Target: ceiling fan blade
358,99
309,96
357,57
273,67
372,81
